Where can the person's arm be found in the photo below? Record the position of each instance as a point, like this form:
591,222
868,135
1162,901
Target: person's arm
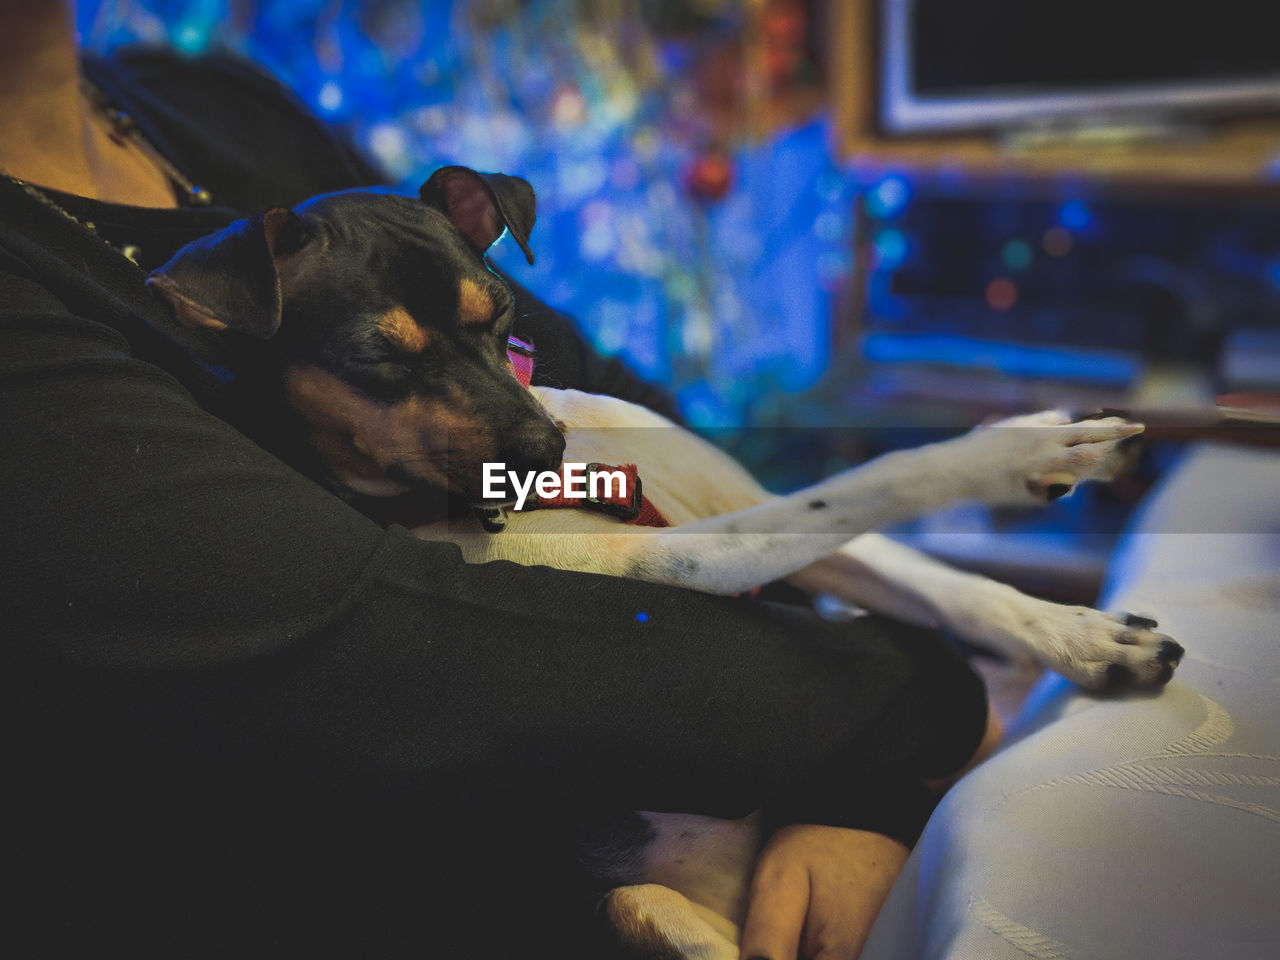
173,592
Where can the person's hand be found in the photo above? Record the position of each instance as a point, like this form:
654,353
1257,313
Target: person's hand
816,892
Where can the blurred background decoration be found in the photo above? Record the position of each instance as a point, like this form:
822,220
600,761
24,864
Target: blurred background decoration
690,212
905,215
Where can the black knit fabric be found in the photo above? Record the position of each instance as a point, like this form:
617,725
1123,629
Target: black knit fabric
241,719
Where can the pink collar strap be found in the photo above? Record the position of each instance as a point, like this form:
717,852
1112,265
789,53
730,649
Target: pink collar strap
521,356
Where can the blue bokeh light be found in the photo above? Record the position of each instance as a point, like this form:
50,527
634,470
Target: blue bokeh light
1075,215
1017,254
888,198
330,97
891,249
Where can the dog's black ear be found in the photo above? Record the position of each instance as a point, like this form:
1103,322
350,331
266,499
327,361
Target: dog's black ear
482,204
228,280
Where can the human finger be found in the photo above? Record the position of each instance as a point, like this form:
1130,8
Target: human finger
777,909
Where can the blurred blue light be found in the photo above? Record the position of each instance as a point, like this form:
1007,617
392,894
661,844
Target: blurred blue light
1016,255
191,38
891,248
830,188
832,269
888,198
1014,359
1075,215
330,97
829,226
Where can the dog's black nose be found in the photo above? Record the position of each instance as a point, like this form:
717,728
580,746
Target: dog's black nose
532,448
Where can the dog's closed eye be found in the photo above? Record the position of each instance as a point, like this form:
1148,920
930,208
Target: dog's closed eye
383,379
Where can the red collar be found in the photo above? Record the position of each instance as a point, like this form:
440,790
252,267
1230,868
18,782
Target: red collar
636,509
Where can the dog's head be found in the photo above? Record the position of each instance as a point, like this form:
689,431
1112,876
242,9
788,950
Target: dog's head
391,328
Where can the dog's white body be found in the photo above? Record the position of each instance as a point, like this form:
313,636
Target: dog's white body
728,535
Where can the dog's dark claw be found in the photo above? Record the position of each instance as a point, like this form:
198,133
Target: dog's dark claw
1057,490
1134,620
1170,652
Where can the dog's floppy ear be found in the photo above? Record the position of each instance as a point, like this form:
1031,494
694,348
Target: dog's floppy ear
228,280
482,204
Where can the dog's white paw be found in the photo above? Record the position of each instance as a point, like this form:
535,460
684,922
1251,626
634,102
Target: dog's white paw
1041,456
1097,650
653,922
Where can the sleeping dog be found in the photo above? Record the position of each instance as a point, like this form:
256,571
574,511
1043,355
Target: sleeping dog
394,339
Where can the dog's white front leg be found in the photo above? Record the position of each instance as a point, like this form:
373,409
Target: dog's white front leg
1017,461
734,552
1093,648
890,578
886,577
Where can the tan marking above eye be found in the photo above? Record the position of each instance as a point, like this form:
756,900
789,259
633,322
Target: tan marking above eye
402,331
475,305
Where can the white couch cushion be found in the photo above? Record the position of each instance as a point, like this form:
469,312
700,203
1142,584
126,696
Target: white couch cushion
1146,826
